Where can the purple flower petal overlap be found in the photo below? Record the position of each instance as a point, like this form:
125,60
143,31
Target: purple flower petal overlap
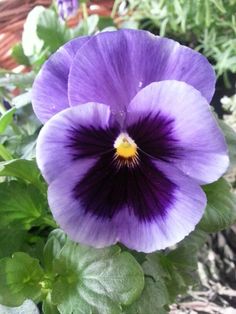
49,93
124,161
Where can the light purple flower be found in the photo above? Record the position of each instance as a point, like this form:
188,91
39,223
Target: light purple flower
128,140
67,8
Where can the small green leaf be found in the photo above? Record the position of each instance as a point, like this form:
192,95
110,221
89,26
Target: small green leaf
21,205
19,55
26,170
4,153
20,278
95,281
48,307
55,243
105,21
220,212
6,119
155,294
230,137
167,275
52,30
11,240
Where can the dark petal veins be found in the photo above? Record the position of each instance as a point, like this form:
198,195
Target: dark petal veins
105,190
91,141
154,136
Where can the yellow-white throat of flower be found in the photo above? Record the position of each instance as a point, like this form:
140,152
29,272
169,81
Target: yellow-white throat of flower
126,151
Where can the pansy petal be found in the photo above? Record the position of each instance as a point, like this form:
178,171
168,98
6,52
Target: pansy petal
81,226
113,66
57,145
49,93
184,212
147,235
193,141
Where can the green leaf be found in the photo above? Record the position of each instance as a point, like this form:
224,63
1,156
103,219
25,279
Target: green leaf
11,240
52,30
105,21
19,55
48,307
155,294
20,278
167,275
220,212
6,119
55,243
26,170
4,153
21,205
95,281
230,137
15,240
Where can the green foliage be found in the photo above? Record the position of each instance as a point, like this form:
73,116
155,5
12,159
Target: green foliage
6,119
207,25
94,281
20,205
25,170
17,80
4,153
51,30
74,278
220,212
11,240
20,278
167,275
19,55
230,137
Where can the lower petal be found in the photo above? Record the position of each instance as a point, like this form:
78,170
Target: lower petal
183,214
81,226
182,209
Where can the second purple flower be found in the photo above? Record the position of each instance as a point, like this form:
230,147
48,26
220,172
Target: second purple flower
67,8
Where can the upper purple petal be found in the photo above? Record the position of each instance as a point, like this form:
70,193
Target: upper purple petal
49,93
112,67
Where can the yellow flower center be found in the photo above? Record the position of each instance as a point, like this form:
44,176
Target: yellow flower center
125,146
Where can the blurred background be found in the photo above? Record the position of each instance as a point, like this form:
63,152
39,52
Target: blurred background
31,30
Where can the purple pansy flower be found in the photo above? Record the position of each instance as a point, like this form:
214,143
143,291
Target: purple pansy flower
67,8
128,140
